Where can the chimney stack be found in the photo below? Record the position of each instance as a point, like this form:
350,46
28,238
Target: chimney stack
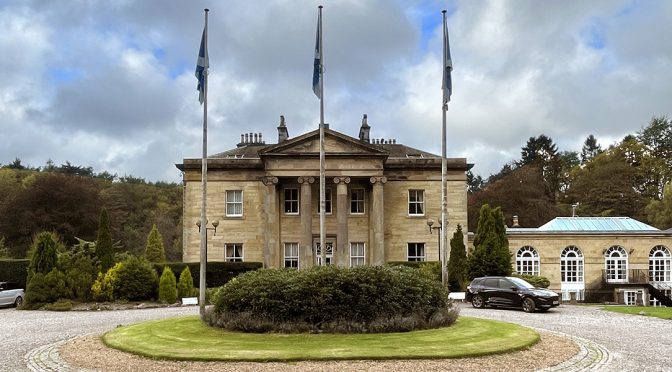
283,133
364,130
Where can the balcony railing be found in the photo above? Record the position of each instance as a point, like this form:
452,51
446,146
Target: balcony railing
632,276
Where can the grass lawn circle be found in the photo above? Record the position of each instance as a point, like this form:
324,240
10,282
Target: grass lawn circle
187,338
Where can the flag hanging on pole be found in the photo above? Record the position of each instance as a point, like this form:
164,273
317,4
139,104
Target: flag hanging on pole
202,65
447,66
317,65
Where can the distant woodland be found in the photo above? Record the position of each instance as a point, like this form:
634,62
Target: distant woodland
67,199
630,178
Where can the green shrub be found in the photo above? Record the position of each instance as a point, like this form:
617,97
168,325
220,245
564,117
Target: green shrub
332,299
104,285
535,280
44,253
431,269
47,288
167,286
60,305
154,250
136,280
16,271
186,283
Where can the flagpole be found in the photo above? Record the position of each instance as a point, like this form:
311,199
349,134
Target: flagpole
323,248
444,201
204,180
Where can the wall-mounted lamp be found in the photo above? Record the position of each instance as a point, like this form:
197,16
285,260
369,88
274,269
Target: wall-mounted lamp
430,224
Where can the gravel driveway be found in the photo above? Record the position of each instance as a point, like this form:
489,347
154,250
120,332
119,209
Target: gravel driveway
636,343
22,331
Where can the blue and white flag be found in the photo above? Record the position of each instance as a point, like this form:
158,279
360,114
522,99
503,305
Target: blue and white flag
317,65
202,65
447,65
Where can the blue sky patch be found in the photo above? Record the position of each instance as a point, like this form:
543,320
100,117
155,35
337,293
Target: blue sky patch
64,75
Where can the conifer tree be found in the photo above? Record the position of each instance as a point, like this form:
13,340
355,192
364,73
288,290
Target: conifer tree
491,247
167,286
45,253
186,283
104,246
457,264
154,251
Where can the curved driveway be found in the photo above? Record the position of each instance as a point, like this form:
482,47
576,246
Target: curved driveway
636,343
23,331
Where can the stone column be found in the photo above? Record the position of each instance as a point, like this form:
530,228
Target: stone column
342,253
377,225
272,228
305,210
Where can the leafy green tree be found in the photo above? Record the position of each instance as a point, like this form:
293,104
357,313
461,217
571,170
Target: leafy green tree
474,182
104,245
542,152
154,251
491,247
660,211
457,263
186,284
167,286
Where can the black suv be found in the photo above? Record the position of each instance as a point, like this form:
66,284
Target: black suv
506,291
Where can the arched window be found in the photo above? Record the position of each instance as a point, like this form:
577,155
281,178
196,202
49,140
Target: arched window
527,261
660,264
571,265
616,264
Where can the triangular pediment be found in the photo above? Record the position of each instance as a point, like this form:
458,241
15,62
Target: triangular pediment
334,143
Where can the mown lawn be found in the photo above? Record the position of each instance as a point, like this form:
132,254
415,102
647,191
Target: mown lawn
187,338
658,312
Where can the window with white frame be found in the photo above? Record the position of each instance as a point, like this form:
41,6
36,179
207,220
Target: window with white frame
234,252
292,201
327,201
571,265
356,254
328,255
660,264
416,251
630,297
616,264
416,202
357,201
234,203
527,261
292,255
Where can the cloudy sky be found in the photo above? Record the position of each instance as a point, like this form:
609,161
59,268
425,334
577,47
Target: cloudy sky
110,84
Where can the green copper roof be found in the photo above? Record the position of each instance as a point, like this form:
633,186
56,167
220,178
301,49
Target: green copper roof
595,224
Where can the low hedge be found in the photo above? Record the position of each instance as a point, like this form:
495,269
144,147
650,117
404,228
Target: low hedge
332,299
535,280
431,268
14,270
217,273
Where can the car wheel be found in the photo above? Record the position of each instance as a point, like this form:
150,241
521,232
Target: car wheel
18,302
528,305
477,302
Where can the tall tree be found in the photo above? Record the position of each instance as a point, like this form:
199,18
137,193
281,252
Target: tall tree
474,182
660,211
521,192
104,245
491,247
541,151
590,149
154,251
457,264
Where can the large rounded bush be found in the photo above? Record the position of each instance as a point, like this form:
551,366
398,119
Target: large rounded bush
136,280
332,299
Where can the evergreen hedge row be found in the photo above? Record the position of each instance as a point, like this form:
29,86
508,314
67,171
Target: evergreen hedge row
217,273
14,270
